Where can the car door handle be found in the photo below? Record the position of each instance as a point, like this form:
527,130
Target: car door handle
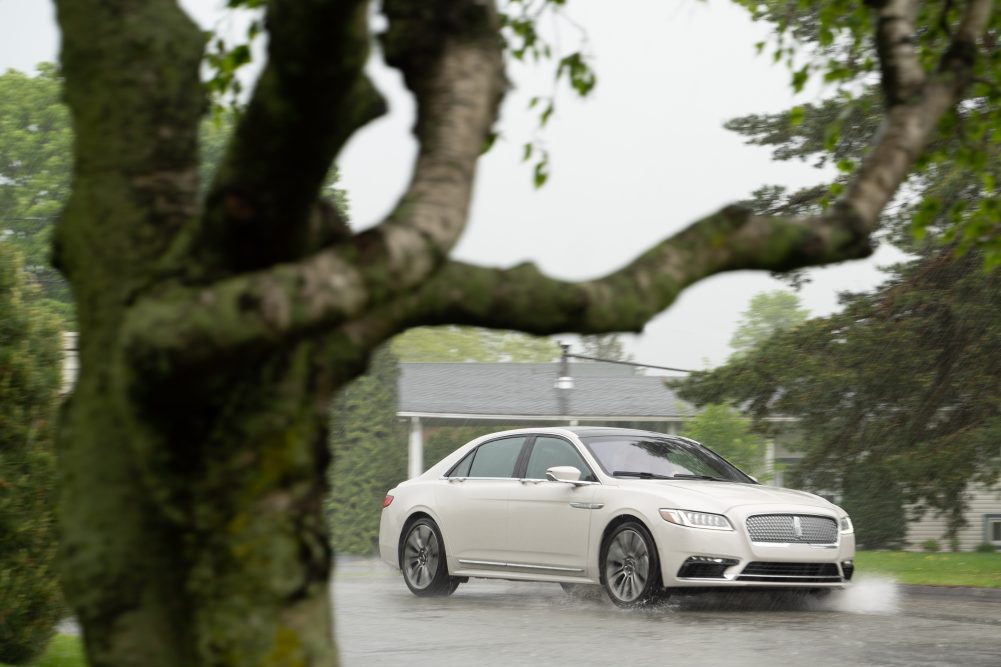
587,506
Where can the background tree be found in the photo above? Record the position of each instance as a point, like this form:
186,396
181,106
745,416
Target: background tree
30,363
903,380
452,343
214,328
35,161
864,382
728,433
604,346
766,315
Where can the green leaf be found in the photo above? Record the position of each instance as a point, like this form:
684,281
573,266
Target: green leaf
489,142
796,116
541,172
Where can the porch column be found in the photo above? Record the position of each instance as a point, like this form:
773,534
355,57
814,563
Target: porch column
415,456
770,463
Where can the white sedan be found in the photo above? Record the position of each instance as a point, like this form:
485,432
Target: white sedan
637,512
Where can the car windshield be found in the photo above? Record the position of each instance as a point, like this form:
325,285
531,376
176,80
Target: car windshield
650,457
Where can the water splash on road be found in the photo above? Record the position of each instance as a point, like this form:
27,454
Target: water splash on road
870,595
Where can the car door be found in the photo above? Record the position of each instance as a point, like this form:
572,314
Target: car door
472,504
550,521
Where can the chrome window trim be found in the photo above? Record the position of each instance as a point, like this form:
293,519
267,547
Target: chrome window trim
523,480
485,479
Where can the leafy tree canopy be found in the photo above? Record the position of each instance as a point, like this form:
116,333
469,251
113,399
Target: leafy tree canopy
728,433
35,161
604,346
767,314
906,377
453,343
878,385
956,178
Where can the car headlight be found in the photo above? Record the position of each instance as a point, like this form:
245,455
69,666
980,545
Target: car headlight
846,525
696,519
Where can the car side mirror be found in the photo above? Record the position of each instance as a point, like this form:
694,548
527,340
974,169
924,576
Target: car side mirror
563,474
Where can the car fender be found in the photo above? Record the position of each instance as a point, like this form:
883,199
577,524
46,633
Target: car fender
600,526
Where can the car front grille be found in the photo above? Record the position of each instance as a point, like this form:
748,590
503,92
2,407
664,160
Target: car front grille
800,573
802,528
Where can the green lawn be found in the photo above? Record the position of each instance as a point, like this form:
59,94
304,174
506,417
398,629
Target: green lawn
63,651
934,568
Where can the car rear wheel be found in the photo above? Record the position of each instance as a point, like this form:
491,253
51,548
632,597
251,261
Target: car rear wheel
422,559
630,569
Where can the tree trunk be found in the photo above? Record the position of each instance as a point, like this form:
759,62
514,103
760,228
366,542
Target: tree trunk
193,526
191,503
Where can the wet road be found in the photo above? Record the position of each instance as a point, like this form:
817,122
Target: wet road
494,623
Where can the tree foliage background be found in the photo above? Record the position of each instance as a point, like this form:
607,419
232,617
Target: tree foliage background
35,168
902,381
766,315
728,433
30,363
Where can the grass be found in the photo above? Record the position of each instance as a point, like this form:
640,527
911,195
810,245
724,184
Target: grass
63,651
940,568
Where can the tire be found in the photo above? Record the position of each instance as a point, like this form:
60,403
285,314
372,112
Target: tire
630,567
423,562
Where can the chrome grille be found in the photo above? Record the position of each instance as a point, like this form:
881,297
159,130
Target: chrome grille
802,528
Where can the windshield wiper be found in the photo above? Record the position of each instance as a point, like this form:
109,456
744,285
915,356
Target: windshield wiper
690,476
641,475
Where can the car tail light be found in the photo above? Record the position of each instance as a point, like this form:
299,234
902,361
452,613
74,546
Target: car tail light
387,501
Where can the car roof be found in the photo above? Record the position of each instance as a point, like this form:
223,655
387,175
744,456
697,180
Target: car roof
580,432
611,430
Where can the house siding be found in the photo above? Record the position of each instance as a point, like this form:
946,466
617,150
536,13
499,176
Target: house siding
933,526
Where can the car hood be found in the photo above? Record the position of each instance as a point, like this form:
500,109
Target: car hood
722,496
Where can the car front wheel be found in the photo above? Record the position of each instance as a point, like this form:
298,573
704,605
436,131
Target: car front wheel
422,559
630,569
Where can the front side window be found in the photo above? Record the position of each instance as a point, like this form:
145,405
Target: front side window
496,458
548,452
659,458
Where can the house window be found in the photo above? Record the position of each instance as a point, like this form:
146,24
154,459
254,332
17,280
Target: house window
992,528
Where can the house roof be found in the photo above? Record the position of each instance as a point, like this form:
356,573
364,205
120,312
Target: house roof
528,390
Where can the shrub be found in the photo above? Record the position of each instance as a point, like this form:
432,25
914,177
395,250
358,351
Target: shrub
30,602
369,449
986,548
931,545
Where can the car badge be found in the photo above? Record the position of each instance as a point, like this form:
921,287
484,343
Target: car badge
797,527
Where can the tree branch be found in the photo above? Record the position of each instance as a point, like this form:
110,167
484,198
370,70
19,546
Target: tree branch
310,98
902,73
912,117
377,283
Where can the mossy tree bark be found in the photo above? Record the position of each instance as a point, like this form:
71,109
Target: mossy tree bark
213,331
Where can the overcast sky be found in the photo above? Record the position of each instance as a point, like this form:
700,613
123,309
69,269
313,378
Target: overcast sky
638,160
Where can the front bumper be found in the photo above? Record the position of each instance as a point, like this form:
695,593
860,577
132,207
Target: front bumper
699,558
